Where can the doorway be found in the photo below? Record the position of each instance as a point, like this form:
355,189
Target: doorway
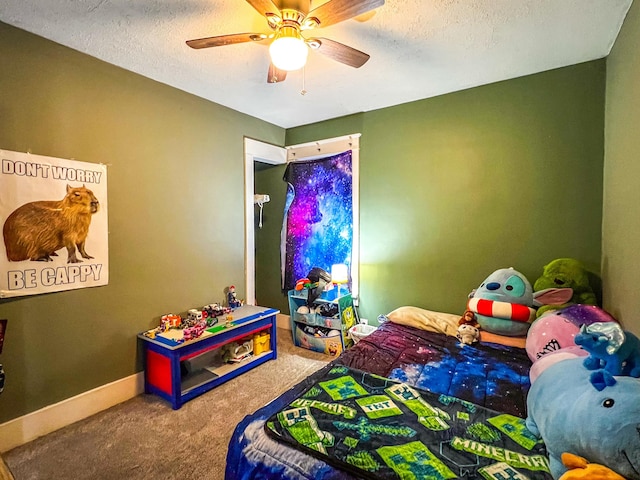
272,155
255,151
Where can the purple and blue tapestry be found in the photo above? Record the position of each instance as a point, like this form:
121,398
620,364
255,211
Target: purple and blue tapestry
318,216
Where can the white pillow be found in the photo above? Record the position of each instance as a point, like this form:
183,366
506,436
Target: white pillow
438,322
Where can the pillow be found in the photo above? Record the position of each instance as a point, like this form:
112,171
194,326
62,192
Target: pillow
422,319
446,323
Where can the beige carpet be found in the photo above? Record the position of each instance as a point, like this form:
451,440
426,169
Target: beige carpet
144,438
5,474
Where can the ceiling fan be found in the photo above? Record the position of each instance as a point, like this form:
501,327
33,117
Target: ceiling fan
287,47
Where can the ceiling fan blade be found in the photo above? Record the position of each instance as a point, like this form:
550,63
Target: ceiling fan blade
264,6
335,11
276,75
339,52
222,40
365,17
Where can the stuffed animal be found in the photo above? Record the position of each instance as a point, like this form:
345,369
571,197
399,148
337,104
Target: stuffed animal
586,314
566,273
468,318
551,339
549,334
315,282
552,358
610,348
570,415
504,303
468,331
580,469
468,334
319,279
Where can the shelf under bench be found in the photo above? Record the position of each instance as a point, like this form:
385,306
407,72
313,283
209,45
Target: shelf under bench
167,361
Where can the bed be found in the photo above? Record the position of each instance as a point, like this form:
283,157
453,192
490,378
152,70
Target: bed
417,351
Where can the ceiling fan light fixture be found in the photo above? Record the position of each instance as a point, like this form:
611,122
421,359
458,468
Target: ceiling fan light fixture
287,19
288,51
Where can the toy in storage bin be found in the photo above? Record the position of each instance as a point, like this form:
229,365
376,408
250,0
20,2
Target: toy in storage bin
319,339
261,342
323,326
361,330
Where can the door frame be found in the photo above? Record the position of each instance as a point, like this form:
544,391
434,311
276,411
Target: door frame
254,151
333,146
257,151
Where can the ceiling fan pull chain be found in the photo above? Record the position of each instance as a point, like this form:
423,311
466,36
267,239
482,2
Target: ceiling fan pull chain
303,92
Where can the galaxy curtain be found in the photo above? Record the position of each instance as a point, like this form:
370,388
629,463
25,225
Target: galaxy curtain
317,230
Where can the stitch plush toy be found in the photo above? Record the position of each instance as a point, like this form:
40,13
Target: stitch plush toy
570,415
566,273
580,469
610,348
504,303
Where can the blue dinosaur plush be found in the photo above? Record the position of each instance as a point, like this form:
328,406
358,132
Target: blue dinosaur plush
610,348
570,415
505,302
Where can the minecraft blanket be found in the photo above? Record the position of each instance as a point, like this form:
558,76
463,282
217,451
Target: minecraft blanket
487,374
378,428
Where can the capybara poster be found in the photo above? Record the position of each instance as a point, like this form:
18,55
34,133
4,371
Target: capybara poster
54,224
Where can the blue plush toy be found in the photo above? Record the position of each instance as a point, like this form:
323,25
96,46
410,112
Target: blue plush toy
505,302
570,415
610,348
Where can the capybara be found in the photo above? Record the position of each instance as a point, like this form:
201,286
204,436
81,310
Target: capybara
36,230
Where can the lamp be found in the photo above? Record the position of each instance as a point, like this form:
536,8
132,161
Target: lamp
288,51
339,274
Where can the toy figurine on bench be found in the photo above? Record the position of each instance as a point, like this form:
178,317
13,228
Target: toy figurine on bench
232,300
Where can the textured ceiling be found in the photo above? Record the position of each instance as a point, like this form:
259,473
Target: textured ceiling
418,48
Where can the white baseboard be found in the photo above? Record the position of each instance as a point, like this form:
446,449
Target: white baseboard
282,321
23,429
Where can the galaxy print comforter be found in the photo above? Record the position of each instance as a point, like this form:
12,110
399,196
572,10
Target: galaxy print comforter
490,375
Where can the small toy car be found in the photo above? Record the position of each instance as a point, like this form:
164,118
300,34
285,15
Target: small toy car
170,320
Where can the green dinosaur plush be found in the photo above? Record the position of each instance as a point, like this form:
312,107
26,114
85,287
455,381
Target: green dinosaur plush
566,273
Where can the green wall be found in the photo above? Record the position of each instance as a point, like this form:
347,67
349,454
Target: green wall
457,186
621,223
451,188
268,179
176,221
